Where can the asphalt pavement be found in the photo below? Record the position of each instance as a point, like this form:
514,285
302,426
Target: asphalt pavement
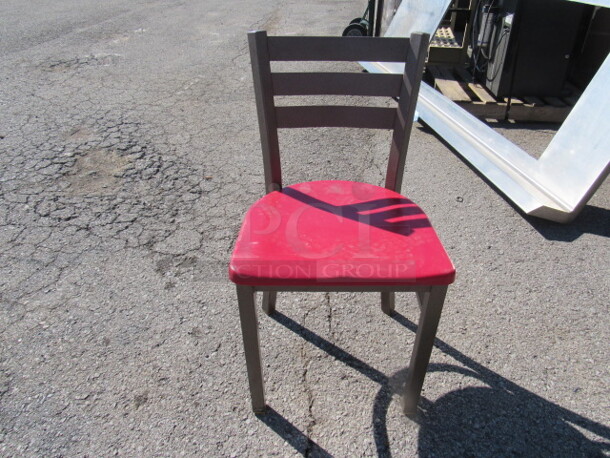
129,151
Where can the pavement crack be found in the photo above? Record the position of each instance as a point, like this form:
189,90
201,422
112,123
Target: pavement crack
312,421
329,316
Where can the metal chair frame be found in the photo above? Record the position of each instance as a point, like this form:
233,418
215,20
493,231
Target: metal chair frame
263,50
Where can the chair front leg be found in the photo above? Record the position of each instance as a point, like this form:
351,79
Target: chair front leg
269,298
431,307
388,302
249,330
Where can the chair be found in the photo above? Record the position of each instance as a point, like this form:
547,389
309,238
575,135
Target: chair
338,235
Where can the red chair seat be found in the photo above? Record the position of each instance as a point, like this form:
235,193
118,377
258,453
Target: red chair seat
338,233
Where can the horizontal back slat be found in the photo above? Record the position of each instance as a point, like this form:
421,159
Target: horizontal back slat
335,116
366,84
337,49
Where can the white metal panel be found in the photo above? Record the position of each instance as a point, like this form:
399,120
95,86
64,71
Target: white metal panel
411,16
417,16
579,154
604,3
574,165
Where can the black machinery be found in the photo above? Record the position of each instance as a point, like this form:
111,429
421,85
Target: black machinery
367,25
527,47
515,48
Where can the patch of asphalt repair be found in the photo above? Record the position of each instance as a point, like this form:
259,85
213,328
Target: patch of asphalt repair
103,185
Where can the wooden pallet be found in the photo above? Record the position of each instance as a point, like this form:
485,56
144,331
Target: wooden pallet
456,84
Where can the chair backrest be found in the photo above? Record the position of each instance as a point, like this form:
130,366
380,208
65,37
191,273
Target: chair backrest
405,87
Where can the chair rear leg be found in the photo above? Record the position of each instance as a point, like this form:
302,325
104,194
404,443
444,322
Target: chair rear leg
269,298
431,308
422,297
249,330
388,302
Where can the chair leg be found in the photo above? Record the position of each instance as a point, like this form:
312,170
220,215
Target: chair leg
424,340
422,297
249,330
269,298
388,302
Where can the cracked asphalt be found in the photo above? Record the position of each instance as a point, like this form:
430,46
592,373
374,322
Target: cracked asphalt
129,151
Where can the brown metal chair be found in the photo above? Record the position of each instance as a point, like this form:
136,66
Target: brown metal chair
338,235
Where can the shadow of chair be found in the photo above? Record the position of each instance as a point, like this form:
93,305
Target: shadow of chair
498,419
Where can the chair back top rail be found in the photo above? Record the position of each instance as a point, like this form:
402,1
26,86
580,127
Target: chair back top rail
337,49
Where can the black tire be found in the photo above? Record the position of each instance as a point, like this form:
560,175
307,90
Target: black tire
355,20
355,30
